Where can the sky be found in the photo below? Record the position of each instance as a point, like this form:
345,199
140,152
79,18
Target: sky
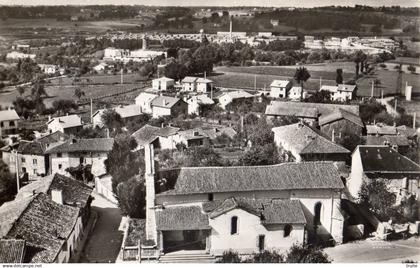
274,3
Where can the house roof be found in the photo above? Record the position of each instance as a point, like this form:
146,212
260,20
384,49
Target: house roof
68,121
406,131
215,132
279,83
305,140
329,88
8,115
239,94
307,109
163,78
383,159
204,80
387,140
39,146
346,88
189,79
124,111
147,134
42,223
202,99
12,250
285,176
165,101
74,192
147,96
83,145
338,115
381,129
271,211
194,133
181,218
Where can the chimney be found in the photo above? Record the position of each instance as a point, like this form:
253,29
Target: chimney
57,196
149,159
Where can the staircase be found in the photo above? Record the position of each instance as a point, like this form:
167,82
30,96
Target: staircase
190,256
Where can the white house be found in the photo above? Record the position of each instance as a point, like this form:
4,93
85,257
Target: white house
75,152
15,55
230,97
101,67
126,112
145,100
163,83
204,85
49,68
9,120
168,106
189,83
247,209
280,88
341,92
296,92
195,102
69,124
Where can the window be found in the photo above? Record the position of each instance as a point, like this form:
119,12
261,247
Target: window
317,214
211,197
59,155
1,124
287,230
11,123
23,159
60,166
261,242
35,171
35,161
234,225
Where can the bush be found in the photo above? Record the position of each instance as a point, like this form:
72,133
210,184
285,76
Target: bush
229,257
266,257
306,254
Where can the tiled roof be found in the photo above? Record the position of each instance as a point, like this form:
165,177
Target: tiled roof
271,211
126,111
68,121
279,83
381,129
165,101
387,140
202,99
181,218
12,250
8,115
329,88
307,109
285,176
42,223
53,137
74,191
163,78
346,88
83,145
189,79
147,134
340,114
406,131
147,96
203,80
383,159
239,94
305,140
39,146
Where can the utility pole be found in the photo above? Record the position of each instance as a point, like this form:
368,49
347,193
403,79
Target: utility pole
373,87
414,120
122,76
17,171
91,111
320,82
255,82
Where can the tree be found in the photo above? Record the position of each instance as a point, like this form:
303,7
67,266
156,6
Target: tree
229,257
38,90
358,57
339,77
7,184
260,155
81,173
369,109
64,106
79,93
246,54
266,257
306,254
260,134
20,90
350,140
411,69
201,157
323,96
301,76
112,121
131,196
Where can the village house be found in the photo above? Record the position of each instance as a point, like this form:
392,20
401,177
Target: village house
399,143
161,138
49,68
168,106
229,98
144,100
373,162
126,112
163,83
9,155
307,144
69,124
101,67
76,152
380,129
32,157
306,111
280,88
9,121
296,92
264,207
189,83
191,138
52,237
341,121
204,85
341,92
195,103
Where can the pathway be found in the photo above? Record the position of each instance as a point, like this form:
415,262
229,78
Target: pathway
104,243
389,108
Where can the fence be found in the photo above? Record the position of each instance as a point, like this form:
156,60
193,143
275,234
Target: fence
103,188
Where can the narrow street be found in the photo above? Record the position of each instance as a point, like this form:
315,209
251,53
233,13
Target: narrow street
104,242
371,250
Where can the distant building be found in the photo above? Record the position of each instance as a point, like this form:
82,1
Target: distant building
399,143
230,97
49,68
341,121
380,129
204,85
69,124
307,144
296,92
144,100
163,83
168,106
101,67
189,83
280,88
274,22
9,122
15,55
126,112
195,103
341,92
